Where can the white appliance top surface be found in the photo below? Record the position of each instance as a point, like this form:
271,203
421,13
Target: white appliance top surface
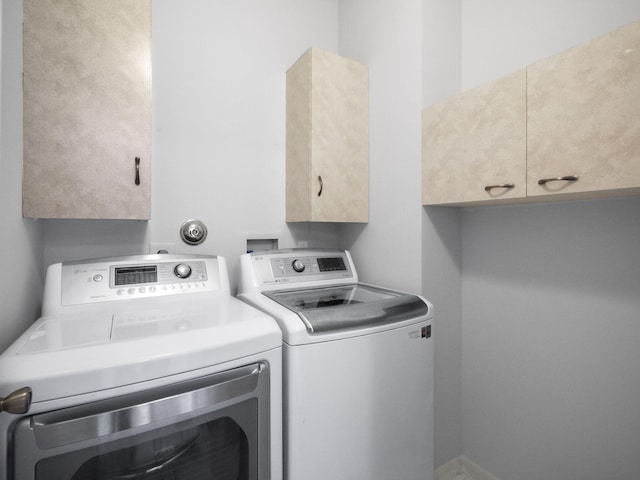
129,337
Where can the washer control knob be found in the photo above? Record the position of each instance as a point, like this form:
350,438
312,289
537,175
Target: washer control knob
298,266
182,270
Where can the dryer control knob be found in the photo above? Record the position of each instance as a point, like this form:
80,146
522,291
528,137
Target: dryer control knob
182,270
298,266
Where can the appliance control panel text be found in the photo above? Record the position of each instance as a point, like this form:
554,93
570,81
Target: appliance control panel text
100,281
298,266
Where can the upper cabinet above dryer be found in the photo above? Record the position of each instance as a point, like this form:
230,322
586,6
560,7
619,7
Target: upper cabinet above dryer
578,113
87,109
327,139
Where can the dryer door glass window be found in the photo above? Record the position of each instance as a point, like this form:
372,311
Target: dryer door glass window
215,450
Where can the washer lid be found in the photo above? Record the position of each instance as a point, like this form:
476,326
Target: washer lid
352,306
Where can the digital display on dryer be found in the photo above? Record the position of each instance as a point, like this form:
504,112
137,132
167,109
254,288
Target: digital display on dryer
136,275
331,264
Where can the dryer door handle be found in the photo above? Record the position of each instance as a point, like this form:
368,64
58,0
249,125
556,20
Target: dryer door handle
141,409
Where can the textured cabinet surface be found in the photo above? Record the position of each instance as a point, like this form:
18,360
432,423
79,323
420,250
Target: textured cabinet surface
476,140
87,108
571,121
327,144
584,118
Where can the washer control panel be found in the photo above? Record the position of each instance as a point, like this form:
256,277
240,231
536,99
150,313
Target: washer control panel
136,277
307,265
302,266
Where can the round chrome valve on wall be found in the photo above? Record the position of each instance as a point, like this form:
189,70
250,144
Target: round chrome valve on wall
193,232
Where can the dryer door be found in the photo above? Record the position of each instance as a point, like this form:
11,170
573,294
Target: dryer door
214,427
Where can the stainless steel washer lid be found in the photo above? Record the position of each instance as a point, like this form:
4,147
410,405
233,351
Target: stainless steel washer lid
352,306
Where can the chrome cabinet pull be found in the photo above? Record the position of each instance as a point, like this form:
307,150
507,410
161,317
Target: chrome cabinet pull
137,181
17,402
567,178
508,186
321,185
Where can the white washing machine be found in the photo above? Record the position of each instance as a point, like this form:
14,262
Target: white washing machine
357,367
142,367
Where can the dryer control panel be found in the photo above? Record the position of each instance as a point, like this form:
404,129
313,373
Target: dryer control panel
134,277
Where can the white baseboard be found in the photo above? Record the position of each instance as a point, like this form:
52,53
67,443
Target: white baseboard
450,470
461,468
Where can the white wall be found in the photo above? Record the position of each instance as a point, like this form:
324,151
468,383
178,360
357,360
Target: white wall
413,52
20,240
387,37
441,235
550,340
499,37
551,312
219,81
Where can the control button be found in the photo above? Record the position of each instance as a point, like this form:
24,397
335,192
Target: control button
298,266
131,291
120,291
97,278
152,289
142,289
182,270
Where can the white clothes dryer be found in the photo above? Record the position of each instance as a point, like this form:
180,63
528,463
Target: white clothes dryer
357,367
142,367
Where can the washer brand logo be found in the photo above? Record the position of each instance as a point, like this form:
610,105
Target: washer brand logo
424,332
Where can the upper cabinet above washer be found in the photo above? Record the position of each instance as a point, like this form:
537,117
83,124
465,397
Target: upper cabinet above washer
582,130
87,109
327,139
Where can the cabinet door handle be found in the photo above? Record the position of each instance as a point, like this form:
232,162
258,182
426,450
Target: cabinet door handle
137,180
509,186
321,185
567,178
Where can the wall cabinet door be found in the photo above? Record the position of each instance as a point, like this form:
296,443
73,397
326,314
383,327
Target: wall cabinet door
87,109
327,139
584,118
474,145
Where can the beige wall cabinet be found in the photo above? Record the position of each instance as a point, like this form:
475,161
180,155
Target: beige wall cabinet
578,115
474,145
327,144
584,119
87,109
